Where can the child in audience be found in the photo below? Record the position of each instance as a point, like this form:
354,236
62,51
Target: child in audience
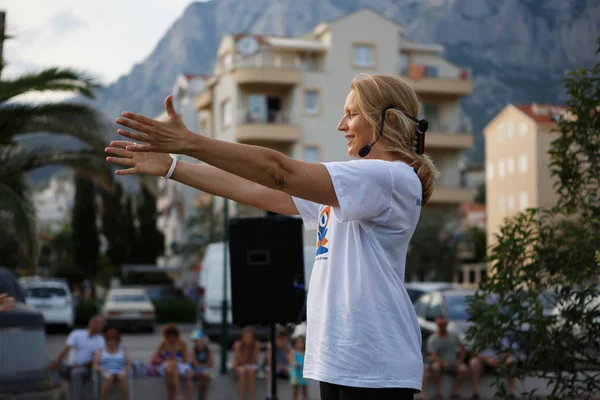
299,384
202,361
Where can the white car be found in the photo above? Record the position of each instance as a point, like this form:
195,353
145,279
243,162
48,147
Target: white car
128,308
53,299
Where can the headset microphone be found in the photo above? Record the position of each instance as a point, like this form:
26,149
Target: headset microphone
366,149
422,126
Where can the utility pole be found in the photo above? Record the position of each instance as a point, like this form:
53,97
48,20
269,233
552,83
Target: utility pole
2,37
225,304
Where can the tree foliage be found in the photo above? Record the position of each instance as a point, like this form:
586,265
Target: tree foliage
84,228
18,118
150,241
434,231
542,291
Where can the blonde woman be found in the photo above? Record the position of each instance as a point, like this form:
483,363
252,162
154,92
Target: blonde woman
363,340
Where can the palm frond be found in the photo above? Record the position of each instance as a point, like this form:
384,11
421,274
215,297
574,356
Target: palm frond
76,120
89,162
51,79
21,212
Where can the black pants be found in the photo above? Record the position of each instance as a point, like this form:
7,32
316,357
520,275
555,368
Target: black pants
330,391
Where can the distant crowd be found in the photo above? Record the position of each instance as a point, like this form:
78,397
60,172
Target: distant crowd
98,351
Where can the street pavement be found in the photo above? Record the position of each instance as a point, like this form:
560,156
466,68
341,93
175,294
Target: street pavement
141,346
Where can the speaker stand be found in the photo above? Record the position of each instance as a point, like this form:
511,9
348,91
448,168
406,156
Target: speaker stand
273,361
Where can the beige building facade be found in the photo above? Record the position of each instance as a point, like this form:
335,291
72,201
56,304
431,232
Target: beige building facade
287,93
518,176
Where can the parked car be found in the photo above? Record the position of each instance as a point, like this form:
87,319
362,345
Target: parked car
417,289
452,303
129,308
52,297
22,343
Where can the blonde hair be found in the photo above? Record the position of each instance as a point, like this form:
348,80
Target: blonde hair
375,92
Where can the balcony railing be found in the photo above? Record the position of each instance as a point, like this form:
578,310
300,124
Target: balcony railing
269,60
270,117
436,125
418,71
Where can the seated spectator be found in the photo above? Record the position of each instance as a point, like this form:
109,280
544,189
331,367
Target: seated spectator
114,365
202,362
172,351
426,372
296,357
447,355
82,345
282,366
487,361
246,352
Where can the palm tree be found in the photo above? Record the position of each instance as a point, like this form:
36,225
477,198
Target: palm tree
19,118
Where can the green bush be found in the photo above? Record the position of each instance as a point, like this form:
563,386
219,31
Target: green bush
85,310
175,310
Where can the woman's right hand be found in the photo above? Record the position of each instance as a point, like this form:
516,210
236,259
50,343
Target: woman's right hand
141,163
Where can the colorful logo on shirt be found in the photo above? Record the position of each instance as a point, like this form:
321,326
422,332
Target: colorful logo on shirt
322,241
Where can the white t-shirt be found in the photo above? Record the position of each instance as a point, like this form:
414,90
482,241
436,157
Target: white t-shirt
84,346
362,330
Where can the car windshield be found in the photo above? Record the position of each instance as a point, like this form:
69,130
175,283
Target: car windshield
128,298
457,307
45,292
414,294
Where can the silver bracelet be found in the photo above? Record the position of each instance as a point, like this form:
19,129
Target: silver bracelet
171,169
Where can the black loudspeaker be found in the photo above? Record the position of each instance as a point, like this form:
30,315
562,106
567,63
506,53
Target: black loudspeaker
267,270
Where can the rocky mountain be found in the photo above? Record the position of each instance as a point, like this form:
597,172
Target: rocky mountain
518,50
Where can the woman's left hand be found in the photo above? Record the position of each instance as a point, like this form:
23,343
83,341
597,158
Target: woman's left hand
171,136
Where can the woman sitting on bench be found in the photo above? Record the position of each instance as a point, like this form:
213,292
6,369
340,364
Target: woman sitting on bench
113,363
175,365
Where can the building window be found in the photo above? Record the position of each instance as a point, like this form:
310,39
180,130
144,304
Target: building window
522,128
364,56
510,130
501,205
490,171
226,116
311,154
523,163
501,169
431,112
500,133
311,102
228,61
510,165
523,201
511,202
403,64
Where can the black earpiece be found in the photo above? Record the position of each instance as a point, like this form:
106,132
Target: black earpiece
422,126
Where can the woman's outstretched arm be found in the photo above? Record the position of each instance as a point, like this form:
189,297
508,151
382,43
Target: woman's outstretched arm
205,178
258,164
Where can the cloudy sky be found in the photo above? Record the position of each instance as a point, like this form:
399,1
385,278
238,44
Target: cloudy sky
103,38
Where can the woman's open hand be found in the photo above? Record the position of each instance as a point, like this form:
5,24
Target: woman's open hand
146,163
171,136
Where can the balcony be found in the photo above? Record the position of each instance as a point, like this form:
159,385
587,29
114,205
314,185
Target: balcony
273,126
268,68
204,100
451,195
427,79
447,136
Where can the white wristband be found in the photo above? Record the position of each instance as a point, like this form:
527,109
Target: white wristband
171,169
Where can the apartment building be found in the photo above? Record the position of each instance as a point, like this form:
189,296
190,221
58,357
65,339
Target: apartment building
517,141
176,202
287,93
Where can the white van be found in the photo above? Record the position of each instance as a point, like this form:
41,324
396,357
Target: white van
210,285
